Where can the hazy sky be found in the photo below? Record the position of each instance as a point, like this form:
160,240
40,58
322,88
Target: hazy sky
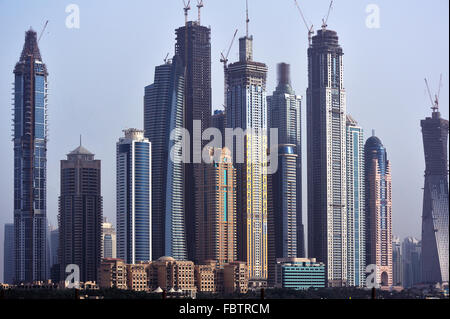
97,75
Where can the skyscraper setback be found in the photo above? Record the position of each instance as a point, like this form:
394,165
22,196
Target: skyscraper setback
246,109
435,246
30,163
326,148
80,214
378,204
193,47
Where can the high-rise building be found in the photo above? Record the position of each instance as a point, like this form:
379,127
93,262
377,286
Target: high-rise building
397,262
218,120
134,197
8,255
356,233
282,209
109,241
326,153
193,46
30,159
435,225
412,268
54,248
246,109
378,204
284,114
163,125
80,214
217,230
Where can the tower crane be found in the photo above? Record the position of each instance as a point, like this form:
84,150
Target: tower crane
311,28
42,32
199,6
186,9
435,103
224,60
325,20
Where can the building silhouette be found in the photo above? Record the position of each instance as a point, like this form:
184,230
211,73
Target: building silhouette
412,259
134,197
326,153
80,214
435,225
30,160
378,204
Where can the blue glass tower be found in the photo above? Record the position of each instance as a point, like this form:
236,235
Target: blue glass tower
30,159
134,197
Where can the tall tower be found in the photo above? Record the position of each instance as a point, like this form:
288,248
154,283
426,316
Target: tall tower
435,200
284,114
30,160
134,197
218,231
397,262
109,240
8,255
246,109
378,204
356,232
193,47
326,131
80,214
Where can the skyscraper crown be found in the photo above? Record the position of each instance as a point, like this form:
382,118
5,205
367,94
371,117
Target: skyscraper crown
31,46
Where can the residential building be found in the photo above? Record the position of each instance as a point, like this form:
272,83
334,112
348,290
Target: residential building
137,277
80,214
112,273
8,255
326,153
412,262
108,240
356,232
205,277
397,262
378,204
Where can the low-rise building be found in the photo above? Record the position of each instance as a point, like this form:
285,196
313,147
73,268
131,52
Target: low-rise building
299,273
205,277
235,277
112,274
137,277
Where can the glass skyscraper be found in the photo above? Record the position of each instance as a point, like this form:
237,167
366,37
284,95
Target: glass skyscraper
326,151
134,197
378,204
435,225
8,254
30,160
356,234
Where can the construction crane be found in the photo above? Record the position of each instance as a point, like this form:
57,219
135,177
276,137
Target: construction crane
435,103
325,20
224,60
199,6
42,32
165,59
186,9
311,28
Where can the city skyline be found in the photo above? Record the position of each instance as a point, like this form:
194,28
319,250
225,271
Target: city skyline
260,38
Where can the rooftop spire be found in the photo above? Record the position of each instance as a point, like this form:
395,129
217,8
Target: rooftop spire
247,20
31,46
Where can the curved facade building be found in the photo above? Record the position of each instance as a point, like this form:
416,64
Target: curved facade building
435,246
378,210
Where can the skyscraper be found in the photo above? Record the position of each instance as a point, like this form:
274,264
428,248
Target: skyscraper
193,47
80,214
246,109
30,159
397,262
412,259
378,204
134,197
284,114
109,240
8,254
326,148
282,209
435,225
218,120
356,250
218,228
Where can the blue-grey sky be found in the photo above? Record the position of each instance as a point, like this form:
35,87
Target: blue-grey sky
98,73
